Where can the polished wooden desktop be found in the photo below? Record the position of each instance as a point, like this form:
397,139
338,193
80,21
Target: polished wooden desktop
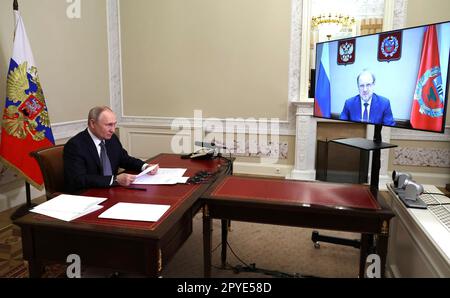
341,207
124,246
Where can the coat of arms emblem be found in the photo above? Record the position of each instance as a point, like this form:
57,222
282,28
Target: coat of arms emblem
389,46
346,51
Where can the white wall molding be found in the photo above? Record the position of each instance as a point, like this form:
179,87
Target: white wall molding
422,157
265,169
431,178
64,130
166,123
115,58
400,10
305,142
415,135
294,51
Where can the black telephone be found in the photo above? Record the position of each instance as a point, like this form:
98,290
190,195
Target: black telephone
202,153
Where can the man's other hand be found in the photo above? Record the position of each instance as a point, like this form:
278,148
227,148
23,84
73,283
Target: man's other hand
155,170
125,179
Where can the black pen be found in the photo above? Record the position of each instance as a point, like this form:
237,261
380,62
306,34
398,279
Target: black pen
136,188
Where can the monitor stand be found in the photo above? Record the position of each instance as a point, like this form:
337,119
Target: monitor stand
374,145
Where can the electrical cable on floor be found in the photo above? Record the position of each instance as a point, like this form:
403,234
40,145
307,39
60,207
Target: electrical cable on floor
252,268
215,248
235,255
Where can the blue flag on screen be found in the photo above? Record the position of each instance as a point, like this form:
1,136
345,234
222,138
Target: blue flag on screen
322,94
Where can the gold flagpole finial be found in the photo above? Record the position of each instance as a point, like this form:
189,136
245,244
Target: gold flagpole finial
16,5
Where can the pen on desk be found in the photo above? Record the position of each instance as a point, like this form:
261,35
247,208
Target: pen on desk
136,188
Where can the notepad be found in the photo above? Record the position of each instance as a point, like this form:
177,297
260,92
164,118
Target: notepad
135,211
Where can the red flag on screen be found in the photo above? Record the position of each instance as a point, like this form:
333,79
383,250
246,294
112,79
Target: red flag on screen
428,105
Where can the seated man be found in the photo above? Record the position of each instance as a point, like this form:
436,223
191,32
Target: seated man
367,106
92,157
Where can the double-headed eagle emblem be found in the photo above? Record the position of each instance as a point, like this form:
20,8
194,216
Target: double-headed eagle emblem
27,114
346,51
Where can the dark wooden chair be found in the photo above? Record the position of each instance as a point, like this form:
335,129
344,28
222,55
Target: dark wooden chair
51,163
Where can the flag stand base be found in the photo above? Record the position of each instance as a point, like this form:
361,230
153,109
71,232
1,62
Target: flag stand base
24,209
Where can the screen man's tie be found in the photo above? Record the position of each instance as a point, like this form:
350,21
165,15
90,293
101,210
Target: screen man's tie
365,115
106,164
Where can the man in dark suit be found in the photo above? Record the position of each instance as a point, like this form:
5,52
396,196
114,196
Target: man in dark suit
368,106
92,157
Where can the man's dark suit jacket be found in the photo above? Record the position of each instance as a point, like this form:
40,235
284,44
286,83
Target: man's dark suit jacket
82,166
380,111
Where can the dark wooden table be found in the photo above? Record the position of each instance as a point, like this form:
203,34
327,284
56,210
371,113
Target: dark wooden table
341,207
124,246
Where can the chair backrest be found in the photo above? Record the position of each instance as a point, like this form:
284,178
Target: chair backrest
51,163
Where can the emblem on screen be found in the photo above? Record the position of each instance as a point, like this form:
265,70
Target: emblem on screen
429,93
390,46
346,51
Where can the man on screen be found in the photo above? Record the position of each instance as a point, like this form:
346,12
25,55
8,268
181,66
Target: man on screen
367,106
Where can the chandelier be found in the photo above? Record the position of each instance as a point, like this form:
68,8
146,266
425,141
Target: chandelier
333,19
331,24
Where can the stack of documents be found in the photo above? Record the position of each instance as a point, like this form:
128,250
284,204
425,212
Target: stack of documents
69,207
163,176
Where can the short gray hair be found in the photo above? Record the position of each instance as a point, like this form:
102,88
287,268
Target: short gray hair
365,71
95,112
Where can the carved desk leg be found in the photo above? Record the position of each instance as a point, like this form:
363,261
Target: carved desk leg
206,242
382,245
223,256
364,252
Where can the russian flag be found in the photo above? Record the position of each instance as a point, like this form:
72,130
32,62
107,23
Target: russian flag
25,123
322,94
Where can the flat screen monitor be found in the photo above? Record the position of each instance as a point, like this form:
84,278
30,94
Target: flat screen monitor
397,78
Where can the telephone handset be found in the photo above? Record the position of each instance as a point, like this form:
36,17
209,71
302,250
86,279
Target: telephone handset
202,153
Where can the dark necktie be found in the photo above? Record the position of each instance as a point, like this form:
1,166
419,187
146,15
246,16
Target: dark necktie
106,164
365,115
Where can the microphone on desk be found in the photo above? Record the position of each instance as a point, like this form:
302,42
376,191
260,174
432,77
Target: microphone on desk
211,145
412,189
399,178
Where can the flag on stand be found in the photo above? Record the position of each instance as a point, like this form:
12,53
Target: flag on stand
322,94
25,125
428,105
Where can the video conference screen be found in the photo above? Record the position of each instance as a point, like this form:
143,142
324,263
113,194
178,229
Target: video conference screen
397,78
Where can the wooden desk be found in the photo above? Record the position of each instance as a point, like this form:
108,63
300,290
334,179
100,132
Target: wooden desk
342,207
130,246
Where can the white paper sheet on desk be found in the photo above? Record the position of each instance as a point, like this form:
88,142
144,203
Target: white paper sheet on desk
69,207
135,211
148,169
67,216
163,176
